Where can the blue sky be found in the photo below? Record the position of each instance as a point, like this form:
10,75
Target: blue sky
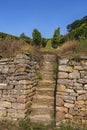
18,16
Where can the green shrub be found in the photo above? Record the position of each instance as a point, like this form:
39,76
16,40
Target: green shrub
82,45
67,126
27,125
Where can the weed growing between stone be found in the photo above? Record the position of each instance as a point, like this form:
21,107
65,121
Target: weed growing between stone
25,124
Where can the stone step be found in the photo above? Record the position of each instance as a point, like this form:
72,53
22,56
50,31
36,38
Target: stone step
46,118
47,66
45,92
41,109
44,70
47,73
46,83
41,106
50,88
49,58
44,97
48,77
43,100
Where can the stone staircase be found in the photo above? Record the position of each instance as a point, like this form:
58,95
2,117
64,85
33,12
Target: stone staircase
43,102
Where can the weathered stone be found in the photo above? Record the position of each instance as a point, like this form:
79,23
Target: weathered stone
68,105
74,75
81,91
80,102
82,97
66,82
68,97
69,101
63,109
3,85
21,99
69,69
63,61
69,116
3,113
5,104
62,75
69,90
73,112
83,74
18,106
61,88
83,81
60,102
65,68
84,109
85,87
21,69
24,82
84,62
60,116
16,115
81,67
78,86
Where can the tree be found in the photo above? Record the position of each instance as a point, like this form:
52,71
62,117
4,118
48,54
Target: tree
22,35
44,42
56,38
25,38
36,37
77,29
76,24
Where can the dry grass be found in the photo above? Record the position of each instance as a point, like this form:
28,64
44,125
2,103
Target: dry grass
73,48
10,48
69,47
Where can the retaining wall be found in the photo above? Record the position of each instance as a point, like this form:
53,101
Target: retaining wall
71,94
60,96
17,86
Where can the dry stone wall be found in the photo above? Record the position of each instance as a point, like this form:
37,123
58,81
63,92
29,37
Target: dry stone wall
71,95
60,95
18,82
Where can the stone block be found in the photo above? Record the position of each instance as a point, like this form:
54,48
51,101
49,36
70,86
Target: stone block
84,109
85,87
62,75
20,69
78,86
21,99
80,102
82,97
59,102
81,91
82,81
5,104
68,105
60,115
63,109
63,61
3,113
66,82
65,68
18,106
16,115
69,116
61,88
3,85
74,75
